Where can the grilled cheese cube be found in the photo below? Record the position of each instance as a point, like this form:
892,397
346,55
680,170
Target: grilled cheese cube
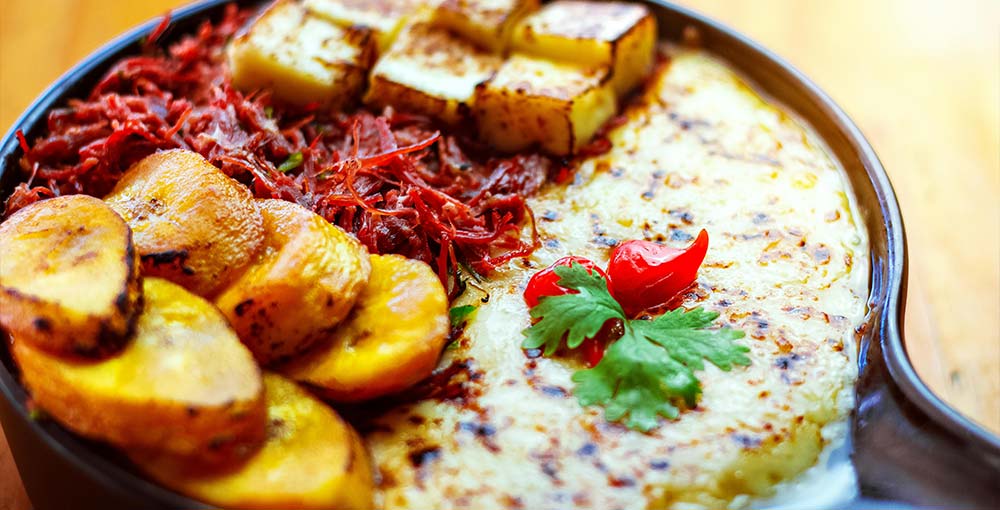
301,58
488,23
534,102
617,35
383,17
432,72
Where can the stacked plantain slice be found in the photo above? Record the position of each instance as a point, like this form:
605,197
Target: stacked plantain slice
159,319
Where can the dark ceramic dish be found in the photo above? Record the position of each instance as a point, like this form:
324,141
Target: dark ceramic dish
909,447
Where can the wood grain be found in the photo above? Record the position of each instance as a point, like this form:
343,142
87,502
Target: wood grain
921,78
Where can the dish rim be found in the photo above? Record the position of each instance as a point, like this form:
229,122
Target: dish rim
886,292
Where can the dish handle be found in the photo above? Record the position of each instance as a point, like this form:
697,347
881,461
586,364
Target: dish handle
909,446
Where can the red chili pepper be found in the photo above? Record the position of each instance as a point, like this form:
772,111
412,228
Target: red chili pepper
546,282
593,351
564,175
593,348
648,275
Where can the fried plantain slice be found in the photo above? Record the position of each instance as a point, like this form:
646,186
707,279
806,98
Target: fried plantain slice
302,285
69,277
392,340
184,383
311,459
192,224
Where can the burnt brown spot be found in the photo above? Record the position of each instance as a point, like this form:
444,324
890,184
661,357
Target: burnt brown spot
821,254
174,258
275,427
218,442
747,442
352,457
610,242
479,429
166,257
550,470
786,362
683,215
385,479
552,391
242,307
587,450
42,325
512,501
424,456
121,301
623,481
680,235
483,432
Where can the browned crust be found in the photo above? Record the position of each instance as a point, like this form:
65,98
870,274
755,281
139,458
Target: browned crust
505,22
565,106
649,20
385,92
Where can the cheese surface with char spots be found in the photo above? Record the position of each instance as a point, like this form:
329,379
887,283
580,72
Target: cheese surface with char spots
787,263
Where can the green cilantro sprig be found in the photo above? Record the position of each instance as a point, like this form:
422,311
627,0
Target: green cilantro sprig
580,315
650,369
293,162
459,315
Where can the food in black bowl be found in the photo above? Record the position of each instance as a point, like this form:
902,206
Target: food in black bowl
730,308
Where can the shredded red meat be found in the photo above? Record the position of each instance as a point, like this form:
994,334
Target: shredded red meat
391,179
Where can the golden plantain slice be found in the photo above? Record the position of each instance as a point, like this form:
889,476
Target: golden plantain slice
303,283
392,340
69,278
192,224
311,459
183,384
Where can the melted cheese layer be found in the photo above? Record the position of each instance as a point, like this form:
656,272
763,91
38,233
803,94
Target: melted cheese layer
788,264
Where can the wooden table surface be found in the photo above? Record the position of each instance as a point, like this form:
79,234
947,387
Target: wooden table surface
919,77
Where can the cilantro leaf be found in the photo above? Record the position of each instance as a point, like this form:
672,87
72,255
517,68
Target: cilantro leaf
459,314
645,372
636,380
293,162
576,315
682,333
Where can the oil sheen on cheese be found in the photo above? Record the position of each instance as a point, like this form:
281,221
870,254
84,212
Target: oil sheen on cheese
787,263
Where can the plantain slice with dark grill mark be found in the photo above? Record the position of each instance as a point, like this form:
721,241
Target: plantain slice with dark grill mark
69,276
